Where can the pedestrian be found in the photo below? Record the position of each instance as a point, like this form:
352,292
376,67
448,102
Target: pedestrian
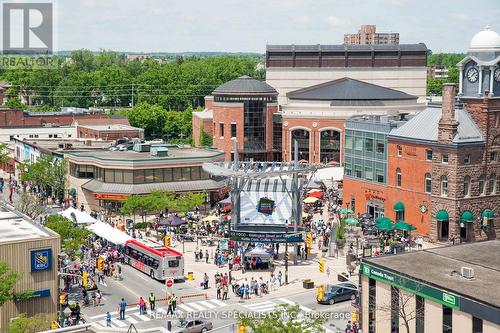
98,297
205,281
108,319
206,256
280,276
142,306
170,309
225,289
328,272
174,301
219,289
152,301
121,307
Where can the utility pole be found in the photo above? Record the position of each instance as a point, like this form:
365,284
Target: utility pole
296,199
235,200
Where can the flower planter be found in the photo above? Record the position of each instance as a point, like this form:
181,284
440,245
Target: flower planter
308,284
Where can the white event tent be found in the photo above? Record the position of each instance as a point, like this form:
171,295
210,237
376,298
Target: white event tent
109,233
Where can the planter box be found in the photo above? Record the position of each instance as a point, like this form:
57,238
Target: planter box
342,278
308,284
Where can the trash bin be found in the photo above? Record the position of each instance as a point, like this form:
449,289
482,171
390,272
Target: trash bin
190,276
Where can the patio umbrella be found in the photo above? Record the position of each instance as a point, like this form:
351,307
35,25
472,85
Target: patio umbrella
304,215
225,201
384,226
384,219
171,221
314,190
346,211
401,225
303,161
352,221
310,200
318,195
210,218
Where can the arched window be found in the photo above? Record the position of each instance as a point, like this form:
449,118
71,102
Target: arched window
329,146
481,185
428,183
466,186
398,177
444,186
492,183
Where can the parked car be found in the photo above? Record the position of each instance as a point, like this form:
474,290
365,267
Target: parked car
339,292
193,326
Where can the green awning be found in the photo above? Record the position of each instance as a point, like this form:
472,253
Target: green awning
467,217
399,206
442,216
487,213
384,219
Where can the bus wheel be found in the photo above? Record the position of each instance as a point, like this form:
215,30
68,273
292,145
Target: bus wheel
152,274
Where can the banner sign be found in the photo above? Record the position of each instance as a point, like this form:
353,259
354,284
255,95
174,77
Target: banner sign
41,260
265,237
436,295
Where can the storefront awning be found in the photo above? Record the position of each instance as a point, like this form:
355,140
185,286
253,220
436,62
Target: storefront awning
467,217
399,206
442,216
96,186
488,213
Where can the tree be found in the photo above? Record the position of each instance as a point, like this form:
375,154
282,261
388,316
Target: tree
4,154
149,117
72,236
286,319
15,103
30,205
23,324
49,173
205,139
8,279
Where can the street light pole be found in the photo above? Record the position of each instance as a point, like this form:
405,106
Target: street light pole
286,254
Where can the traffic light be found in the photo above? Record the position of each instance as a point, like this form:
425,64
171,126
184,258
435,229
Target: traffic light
322,265
85,279
321,293
168,241
100,264
241,328
309,239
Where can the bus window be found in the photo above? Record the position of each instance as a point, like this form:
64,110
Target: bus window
156,263
173,263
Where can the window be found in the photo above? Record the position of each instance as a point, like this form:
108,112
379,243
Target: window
372,296
444,158
233,130
477,325
394,309
369,173
173,263
428,155
447,319
400,150
358,144
466,186
467,159
380,147
348,142
221,130
419,314
444,186
357,171
369,145
493,156
398,177
492,183
428,183
481,185
380,176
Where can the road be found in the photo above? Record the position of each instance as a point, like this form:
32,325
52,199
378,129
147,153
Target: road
222,313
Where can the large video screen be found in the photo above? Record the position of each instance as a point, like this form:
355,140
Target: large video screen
271,208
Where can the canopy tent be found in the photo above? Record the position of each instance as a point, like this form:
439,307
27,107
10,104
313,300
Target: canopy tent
259,251
210,218
171,221
313,184
78,216
318,195
314,190
225,201
401,225
329,174
109,233
352,221
310,200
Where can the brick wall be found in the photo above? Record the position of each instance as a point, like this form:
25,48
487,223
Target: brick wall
12,118
227,114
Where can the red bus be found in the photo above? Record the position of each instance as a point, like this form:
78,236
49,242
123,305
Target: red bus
154,259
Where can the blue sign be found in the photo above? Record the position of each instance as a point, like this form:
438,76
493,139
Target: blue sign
36,294
41,260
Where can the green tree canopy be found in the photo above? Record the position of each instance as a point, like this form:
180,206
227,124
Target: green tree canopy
149,117
49,173
8,280
72,236
23,324
4,154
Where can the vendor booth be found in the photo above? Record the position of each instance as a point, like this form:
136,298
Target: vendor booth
258,257
78,216
107,232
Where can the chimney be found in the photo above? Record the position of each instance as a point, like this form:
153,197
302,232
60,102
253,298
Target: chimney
448,126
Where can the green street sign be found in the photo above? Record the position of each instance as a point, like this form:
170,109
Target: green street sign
412,286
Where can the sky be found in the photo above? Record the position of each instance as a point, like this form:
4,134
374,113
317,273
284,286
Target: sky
247,26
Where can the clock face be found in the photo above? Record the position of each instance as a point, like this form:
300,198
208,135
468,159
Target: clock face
496,75
472,74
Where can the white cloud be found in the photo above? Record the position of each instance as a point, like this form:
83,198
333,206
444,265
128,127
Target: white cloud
303,19
337,21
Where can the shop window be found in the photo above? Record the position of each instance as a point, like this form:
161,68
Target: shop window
477,325
466,186
428,183
398,177
372,302
444,186
167,175
419,314
481,185
394,309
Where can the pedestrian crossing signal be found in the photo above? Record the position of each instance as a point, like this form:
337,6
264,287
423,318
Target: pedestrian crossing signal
322,265
168,241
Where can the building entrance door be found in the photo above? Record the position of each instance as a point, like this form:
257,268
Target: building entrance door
444,230
375,209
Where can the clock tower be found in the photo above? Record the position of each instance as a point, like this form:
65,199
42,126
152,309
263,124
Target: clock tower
480,69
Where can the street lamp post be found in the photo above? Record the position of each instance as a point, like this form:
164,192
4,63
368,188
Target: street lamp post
286,254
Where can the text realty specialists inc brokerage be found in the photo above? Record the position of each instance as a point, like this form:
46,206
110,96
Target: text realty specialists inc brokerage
230,314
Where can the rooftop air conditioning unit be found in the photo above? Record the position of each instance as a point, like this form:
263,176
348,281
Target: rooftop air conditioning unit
467,272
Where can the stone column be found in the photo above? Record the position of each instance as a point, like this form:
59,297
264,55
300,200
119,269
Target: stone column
461,321
460,80
433,316
480,81
492,72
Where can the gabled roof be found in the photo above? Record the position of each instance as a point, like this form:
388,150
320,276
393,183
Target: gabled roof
424,127
348,89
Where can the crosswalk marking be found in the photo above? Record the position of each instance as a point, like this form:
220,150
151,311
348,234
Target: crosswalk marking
186,307
131,319
114,313
303,308
261,307
219,303
207,304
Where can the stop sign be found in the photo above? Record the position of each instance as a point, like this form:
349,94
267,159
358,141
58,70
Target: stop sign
170,283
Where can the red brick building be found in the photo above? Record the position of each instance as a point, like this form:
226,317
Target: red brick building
244,109
109,131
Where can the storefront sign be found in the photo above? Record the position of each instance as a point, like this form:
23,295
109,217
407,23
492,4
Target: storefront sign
35,294
263,237
412,286
266,206
374,197
41,260
104,196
